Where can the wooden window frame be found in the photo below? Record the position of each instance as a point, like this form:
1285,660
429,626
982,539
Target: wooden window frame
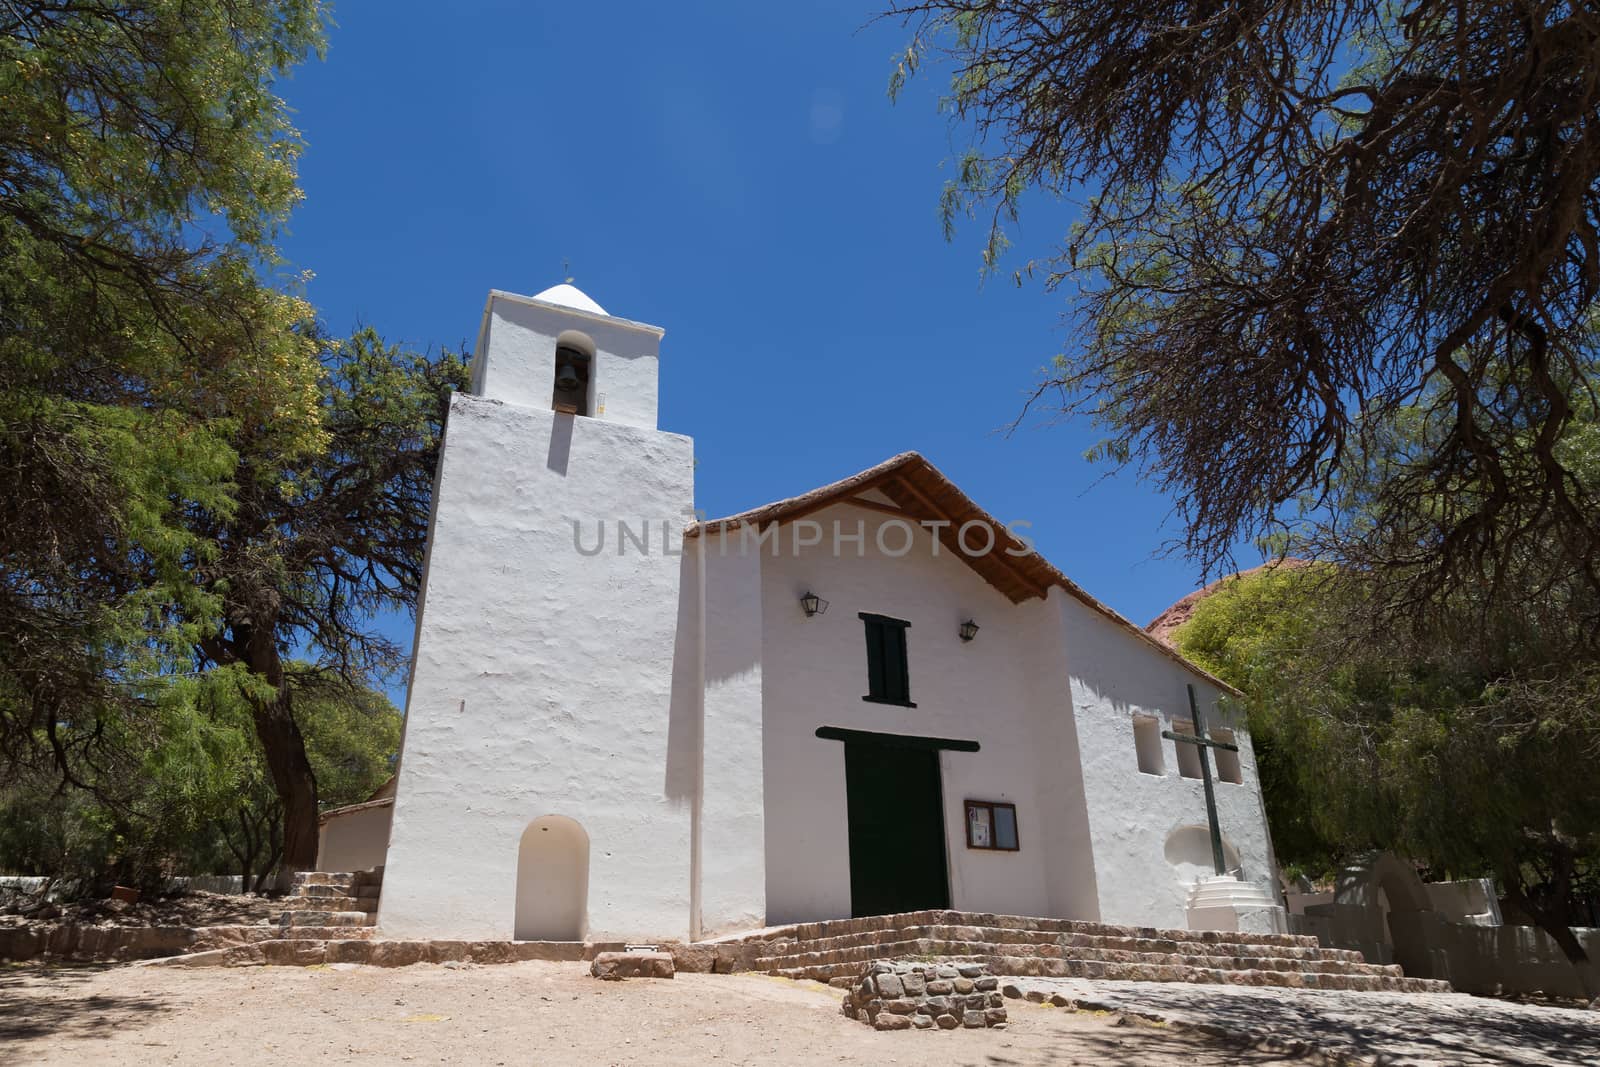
991,805
885,622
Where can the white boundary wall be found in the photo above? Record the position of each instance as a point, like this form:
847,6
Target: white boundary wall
356,840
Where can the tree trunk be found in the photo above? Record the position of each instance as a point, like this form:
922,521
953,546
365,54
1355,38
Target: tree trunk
245,852
285,751
1555,922
273,835
272,860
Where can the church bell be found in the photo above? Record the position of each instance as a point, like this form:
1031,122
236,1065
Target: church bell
572,379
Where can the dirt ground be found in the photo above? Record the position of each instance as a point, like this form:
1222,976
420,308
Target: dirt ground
526,1013
180,909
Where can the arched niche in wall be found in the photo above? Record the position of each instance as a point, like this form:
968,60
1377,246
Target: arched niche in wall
1188,852
552,881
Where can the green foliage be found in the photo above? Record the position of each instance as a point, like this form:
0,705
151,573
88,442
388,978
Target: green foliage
196,477
1473,757
1256,631
194,795
1297,226
316,543
352,739
145,165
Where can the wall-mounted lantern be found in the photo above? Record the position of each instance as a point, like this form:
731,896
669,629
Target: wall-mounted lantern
813,604
969,630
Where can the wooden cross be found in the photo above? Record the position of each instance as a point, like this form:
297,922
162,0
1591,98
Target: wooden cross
1202,741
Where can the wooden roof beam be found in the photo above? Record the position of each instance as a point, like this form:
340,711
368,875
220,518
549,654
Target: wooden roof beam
873,505
952,537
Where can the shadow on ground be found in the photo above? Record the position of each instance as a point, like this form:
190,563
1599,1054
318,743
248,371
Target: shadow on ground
46,1001
1454,1029
1137,1045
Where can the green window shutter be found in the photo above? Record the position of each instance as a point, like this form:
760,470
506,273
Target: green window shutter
887,671
875,656
896,685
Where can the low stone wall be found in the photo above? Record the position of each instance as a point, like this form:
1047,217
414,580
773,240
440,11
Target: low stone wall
1473,958
68,941
907,995
230,884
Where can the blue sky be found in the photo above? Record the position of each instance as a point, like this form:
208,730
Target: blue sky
736,174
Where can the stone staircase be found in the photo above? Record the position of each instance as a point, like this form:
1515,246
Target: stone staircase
329,905
836,951
323,906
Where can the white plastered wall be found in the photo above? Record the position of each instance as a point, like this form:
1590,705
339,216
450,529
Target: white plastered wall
354,841
1058,767
730,839
814,672
1116,676
543,679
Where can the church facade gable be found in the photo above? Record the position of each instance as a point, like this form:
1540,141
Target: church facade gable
818,672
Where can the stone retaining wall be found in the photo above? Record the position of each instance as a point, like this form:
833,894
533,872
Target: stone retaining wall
69,941
909,995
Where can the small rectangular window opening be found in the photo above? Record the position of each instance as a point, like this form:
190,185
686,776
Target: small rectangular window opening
1188,755
1228,768
888,674
992,826
1147,743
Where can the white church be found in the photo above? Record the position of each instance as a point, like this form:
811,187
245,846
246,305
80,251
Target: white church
625,724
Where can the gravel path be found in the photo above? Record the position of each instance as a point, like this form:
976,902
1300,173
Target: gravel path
524,1013
1418,1028
554,1013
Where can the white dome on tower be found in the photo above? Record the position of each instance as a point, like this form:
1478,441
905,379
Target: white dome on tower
571,296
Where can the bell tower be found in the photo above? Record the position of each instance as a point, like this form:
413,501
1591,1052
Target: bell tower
547,738
562,352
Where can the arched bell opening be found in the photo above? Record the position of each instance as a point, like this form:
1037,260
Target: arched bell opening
575,378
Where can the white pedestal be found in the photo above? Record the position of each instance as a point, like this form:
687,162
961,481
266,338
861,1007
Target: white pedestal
1222,902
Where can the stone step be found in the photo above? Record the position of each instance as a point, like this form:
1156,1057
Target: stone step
1015,966
842,927
1395,983
856,957
331,903
344,879
319,891
307,952
305,917
1001,936
1143,959
211,937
